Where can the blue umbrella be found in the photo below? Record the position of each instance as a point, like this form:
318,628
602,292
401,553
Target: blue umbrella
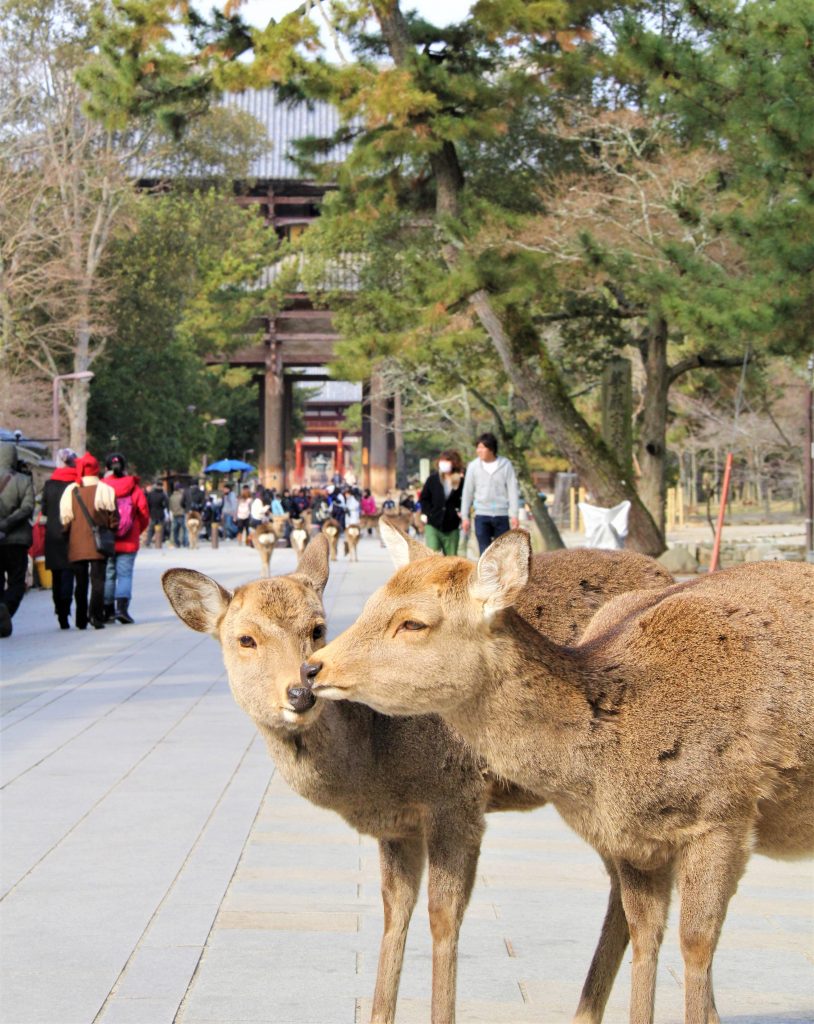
228,466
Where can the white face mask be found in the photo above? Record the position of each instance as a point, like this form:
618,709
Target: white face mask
444,466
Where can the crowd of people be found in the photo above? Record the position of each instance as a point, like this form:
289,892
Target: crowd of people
94,524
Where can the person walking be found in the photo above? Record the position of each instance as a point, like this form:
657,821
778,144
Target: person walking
56,541
81,507
229,512
131,505
490,483
16,509
178,511
159,507
244,512
440,502
352,508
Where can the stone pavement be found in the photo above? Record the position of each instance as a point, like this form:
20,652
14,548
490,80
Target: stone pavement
156,869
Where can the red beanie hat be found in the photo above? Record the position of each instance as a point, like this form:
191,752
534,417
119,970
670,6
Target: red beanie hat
87,465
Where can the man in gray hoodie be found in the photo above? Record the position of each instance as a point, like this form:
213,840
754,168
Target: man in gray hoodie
490,483
16,508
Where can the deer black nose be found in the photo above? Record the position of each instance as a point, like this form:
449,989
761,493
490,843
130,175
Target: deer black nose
308,672
301,698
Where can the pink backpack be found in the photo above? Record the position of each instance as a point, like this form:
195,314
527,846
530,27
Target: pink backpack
127,515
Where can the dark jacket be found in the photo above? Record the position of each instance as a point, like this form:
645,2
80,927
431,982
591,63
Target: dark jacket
159,504
16,499
56,540
441,511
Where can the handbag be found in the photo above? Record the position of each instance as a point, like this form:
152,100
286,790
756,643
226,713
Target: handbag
103,537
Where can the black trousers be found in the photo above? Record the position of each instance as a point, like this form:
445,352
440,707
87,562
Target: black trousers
95,571
13,564
62,581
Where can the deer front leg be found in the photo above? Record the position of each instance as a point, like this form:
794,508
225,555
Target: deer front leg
402,865
708,874
646,902
454,849
606,959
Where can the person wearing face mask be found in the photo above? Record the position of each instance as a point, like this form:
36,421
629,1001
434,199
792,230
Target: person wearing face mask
134,515
441,503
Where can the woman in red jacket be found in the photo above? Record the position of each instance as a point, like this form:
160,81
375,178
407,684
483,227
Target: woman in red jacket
134,516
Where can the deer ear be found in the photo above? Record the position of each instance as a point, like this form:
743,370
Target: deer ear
502,572
403,549
196,599
314,564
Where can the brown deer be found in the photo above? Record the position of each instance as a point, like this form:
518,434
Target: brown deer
409,782
299,536
264,540
352,533
331,529
194,524
676,737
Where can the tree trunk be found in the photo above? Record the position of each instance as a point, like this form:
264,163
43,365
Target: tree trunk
398,440
542,389
653,438
547,399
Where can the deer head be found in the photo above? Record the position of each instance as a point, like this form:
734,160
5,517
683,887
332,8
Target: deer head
421,640
265,628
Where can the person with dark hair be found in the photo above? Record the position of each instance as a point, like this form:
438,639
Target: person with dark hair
131,505
440,502
56,543
16,509
159,507
491,485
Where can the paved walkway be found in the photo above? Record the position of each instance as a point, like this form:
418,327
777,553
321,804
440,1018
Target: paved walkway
155,868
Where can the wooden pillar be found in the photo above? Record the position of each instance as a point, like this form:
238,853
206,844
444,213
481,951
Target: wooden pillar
340,454
617,413
272,462
379,469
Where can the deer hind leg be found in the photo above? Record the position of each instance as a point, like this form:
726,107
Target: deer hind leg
608,956
708,874
453,856
646,902
402,865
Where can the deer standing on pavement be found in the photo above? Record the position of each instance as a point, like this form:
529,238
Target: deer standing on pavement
352,533
264,539
676,737
409,782
331,529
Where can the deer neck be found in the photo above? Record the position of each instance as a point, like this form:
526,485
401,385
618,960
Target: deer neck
544,716
317,762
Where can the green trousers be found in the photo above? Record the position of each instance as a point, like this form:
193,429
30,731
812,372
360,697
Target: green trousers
446,543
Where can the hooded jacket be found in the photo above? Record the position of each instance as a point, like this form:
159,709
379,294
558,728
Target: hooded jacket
16,499
493,494
124,486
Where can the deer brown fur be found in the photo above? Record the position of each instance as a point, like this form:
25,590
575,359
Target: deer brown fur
409,782
194,524
299,536
352,534
676,737
331,529
264,540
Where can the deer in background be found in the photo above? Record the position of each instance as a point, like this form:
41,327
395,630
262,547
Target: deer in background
352,534
409,782
299,536
194,524
676,737
264,540
331,529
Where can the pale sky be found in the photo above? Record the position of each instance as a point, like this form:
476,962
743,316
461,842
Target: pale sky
440,12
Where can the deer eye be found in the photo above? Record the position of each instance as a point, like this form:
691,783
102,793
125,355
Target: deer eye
318,632
247,641
411,626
